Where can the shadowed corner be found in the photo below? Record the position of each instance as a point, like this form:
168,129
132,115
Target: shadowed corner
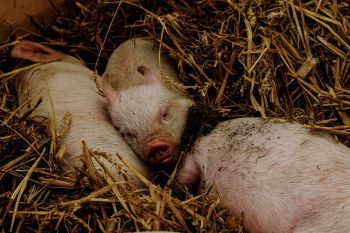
201,120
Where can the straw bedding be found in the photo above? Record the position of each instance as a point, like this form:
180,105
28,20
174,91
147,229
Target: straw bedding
287,59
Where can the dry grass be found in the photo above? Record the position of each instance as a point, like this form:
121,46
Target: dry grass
284,58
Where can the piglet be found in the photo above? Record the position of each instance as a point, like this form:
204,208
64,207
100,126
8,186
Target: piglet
282,176
67,86
147,109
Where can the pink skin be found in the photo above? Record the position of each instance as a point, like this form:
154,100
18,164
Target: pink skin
150,117
150,77
283,177
145,101
159,151
67,87
35,52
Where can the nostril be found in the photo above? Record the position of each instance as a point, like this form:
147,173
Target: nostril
158,153
158,150
163,149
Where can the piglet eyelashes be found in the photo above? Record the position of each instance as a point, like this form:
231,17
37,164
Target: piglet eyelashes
164,114
129,135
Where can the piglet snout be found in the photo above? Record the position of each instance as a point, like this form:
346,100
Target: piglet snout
159,152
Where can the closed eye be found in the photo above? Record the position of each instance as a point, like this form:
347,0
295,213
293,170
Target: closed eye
128,135
165,114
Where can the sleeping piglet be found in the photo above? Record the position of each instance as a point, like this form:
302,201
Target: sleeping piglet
67,86
146,108
282,176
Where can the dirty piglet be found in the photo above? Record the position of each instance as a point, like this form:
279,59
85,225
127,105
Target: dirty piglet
143,102
283,177
67,87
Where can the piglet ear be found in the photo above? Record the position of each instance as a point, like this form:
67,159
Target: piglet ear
151,78
112,95
35,52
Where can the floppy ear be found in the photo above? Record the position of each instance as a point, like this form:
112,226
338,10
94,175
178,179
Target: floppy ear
112,95
151,78
35,52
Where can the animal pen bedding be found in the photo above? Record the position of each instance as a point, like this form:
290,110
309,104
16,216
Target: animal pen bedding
287,59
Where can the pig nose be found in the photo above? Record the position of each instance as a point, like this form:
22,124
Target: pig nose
159,152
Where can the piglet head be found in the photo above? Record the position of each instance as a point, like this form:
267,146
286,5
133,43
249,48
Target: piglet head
150,117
